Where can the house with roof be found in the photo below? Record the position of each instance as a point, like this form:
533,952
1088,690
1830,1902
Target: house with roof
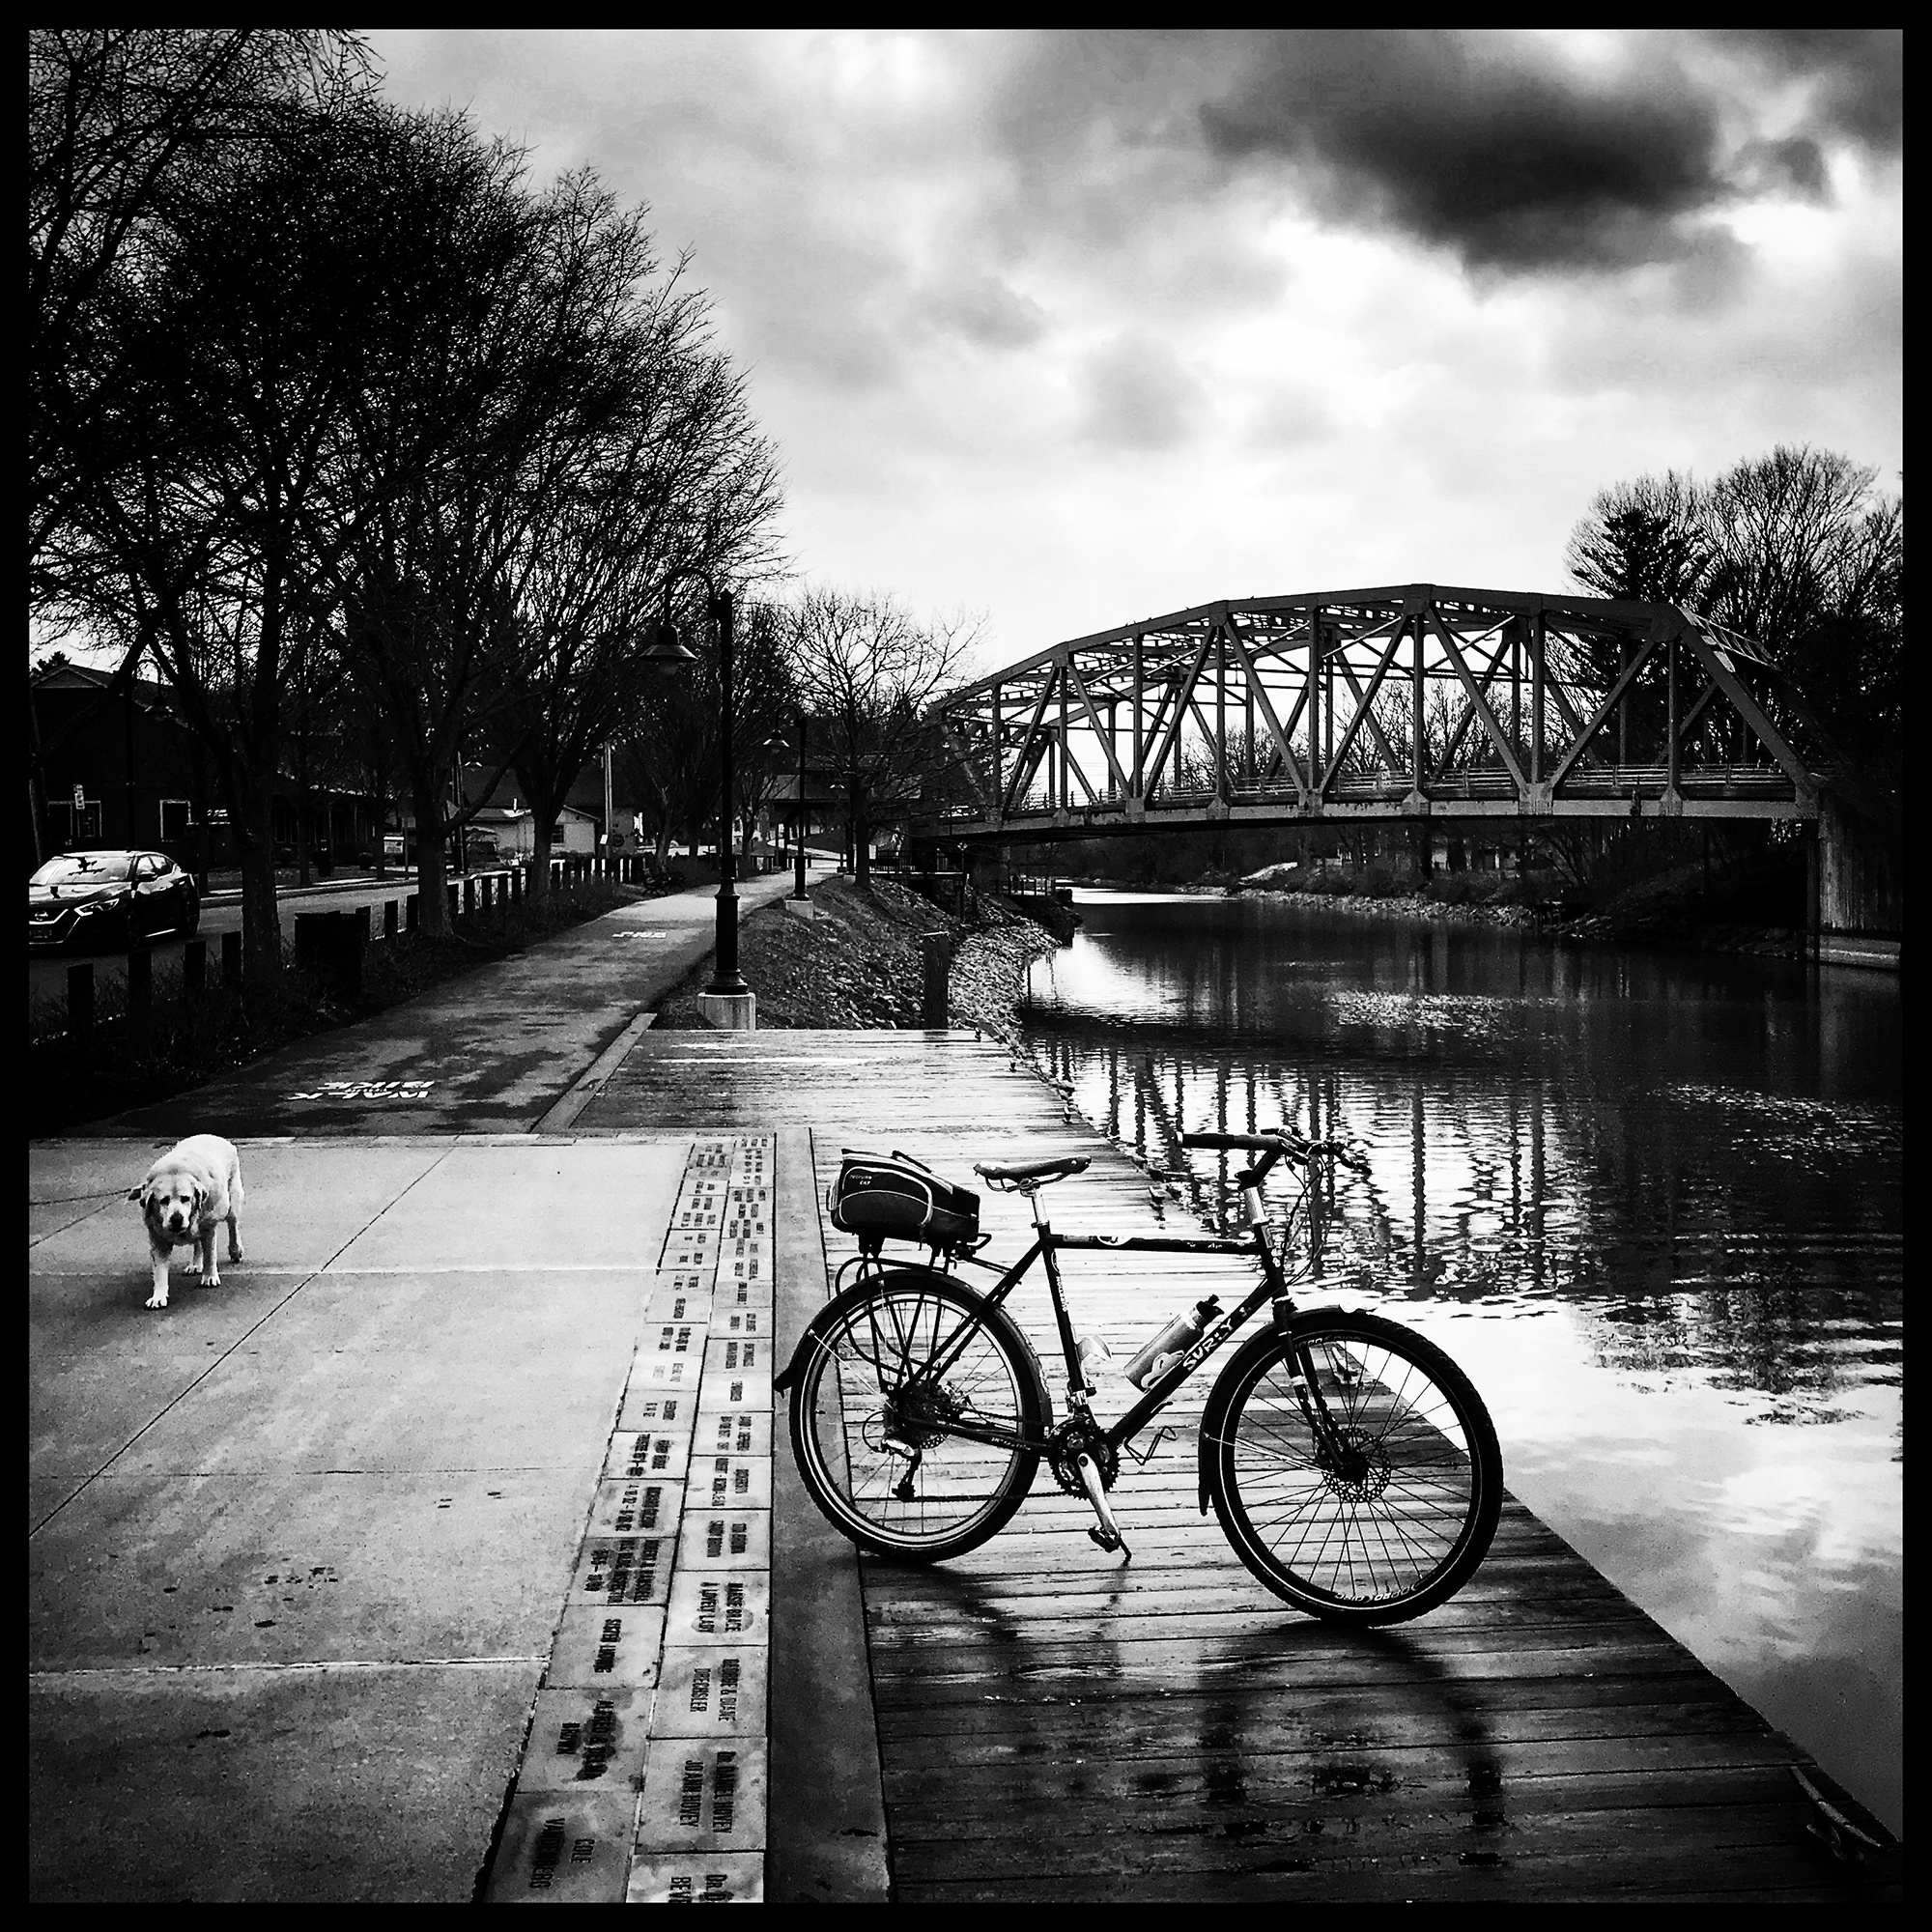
112,762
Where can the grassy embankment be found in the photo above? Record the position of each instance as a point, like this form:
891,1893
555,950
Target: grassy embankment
860,964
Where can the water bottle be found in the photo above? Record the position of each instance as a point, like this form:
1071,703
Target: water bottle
1175,1339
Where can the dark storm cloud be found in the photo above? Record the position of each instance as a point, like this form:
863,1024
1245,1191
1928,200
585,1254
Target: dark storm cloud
1517,155
1513,161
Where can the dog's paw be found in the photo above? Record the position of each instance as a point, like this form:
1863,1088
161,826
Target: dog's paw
235,1254
210,1281
158,1299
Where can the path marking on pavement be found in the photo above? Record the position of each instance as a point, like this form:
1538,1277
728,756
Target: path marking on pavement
367,1090
643,1773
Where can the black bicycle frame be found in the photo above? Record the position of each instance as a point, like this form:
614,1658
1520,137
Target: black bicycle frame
1271,1288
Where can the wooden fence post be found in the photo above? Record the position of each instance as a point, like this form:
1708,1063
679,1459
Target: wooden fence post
410,914
231,959
937,949
140,991
388,919
194,969
81,997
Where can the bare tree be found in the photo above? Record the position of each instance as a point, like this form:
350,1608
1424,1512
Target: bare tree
1796,551
232,364
668,472
465,461
122,124
874,671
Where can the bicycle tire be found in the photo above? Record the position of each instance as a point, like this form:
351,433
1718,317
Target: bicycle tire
1401,1521
855,1427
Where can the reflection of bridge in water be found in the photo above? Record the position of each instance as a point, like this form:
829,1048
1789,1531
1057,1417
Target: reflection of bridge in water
1407,702
1488,1179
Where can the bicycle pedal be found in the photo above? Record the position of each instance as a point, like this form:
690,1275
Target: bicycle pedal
1109,1543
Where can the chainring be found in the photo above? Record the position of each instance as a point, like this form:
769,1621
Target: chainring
1062,1455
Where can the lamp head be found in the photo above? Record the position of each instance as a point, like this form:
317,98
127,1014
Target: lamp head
659,644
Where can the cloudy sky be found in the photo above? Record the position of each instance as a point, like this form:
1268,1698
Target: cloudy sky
1070,329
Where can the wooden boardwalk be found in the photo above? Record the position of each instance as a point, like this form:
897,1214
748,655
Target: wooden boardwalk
1057,1724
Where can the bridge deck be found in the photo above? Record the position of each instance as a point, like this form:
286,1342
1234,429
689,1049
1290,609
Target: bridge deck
1056,1725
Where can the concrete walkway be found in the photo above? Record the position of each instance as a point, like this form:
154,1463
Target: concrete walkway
394,1568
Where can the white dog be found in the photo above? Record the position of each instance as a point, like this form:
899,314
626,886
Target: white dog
193,1186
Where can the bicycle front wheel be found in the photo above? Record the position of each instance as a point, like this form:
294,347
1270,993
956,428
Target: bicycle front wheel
1353,1467
904,1378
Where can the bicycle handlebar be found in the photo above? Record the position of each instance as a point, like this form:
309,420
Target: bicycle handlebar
1284,1144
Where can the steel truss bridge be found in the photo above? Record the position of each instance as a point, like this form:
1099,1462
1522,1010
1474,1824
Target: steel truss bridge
1407,702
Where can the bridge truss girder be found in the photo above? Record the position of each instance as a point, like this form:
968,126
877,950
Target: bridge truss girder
1411,702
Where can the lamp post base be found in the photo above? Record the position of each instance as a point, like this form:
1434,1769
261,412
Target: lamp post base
733,1011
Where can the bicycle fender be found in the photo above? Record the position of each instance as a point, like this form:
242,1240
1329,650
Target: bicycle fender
793,1368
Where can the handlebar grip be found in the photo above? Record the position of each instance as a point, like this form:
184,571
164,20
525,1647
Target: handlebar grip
1217,1140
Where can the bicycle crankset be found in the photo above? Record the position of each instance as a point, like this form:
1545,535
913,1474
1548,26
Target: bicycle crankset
1063,1456
1084,1464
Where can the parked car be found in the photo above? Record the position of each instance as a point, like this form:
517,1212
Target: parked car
106,900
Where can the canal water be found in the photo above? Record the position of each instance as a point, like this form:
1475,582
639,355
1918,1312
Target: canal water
1650,1202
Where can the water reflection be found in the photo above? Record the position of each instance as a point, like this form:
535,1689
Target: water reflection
1654,1203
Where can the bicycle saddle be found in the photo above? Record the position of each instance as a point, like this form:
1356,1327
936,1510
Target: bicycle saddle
1001,1173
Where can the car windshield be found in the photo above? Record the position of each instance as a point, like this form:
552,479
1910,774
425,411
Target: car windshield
84,868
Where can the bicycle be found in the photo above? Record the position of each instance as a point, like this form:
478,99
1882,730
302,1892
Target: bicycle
1351,1464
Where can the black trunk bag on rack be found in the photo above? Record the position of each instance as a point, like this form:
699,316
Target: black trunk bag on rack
893,1198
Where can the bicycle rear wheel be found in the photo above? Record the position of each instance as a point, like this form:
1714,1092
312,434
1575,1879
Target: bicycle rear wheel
875,1425
1353,1467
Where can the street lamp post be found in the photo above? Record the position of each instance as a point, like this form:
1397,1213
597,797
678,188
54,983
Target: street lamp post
798,825
726,1001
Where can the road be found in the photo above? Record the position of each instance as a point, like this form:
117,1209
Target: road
46,973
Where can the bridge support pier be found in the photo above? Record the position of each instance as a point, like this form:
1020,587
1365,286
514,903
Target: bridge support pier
1854,888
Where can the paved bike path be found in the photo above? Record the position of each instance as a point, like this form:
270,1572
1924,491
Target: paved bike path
492,1052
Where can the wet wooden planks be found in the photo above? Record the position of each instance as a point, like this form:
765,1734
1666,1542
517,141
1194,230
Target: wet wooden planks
1058,1724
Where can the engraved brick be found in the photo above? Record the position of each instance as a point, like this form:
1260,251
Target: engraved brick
567,1848
638,1505
733,1432
655,1411
586,1736
698,1878
711,1690
703,1793
621,1570
712,1607
607,1645
730,1539
726,1482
